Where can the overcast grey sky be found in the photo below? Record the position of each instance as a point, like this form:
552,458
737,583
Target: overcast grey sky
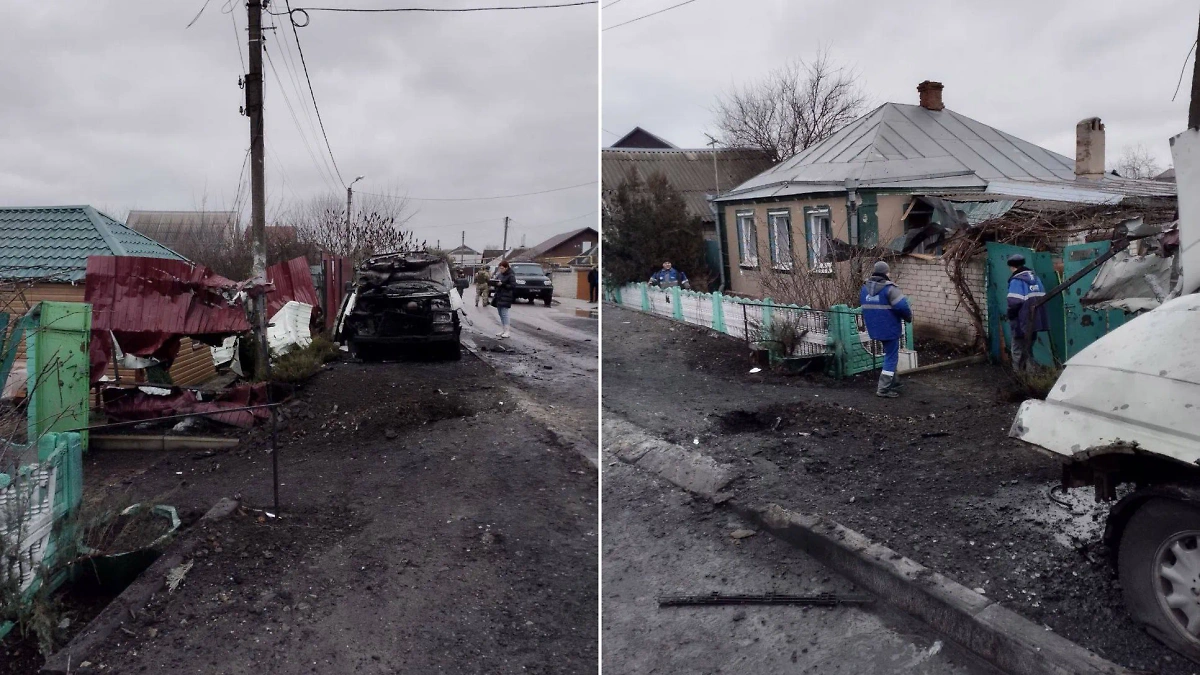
119,105
1029,67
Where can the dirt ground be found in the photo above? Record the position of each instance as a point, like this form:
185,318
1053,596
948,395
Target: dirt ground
426,525
933,474
659,540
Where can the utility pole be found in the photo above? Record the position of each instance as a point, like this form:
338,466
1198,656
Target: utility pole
258,197
1194,106
461,252
349,200
258,217
504,246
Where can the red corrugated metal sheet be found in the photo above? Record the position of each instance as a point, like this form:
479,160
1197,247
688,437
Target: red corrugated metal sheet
158,295
128,405
293,281
338,271
148,304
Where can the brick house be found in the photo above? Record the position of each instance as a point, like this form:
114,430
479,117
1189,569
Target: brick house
882,183
561,248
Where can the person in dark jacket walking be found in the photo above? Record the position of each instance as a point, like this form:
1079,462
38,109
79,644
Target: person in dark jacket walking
593,284
481,287
885,309
1024,287
502,299
461,283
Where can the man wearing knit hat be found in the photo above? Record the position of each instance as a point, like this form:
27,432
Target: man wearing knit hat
885,309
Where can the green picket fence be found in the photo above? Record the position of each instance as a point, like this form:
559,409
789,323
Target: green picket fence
837,333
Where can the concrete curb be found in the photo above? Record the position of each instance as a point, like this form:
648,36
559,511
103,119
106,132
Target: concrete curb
689,470
984,627
125,606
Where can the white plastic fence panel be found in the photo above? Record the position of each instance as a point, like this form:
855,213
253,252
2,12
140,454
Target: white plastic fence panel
26,522
697,309
660,302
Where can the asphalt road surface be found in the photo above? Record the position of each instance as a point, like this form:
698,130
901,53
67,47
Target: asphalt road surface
658,540
553,356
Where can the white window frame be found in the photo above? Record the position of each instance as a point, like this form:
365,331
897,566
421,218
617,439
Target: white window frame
747,234
774,218
820,227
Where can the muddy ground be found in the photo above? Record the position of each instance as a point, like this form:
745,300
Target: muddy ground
427,524
933,474
658,540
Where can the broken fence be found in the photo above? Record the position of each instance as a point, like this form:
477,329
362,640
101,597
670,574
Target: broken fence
838,333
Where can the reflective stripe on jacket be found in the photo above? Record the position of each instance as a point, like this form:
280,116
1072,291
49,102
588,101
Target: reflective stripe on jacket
1024,286
884,308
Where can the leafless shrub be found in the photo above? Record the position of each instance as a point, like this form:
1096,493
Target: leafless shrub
798,105
805,288
1137,162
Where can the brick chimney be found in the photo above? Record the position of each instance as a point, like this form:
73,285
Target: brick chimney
931,95
1089,148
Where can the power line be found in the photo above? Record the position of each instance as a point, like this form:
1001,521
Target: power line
560,222
610,4
294,79
609,132
314,96
305,10
647,16
321,166
1182,69
480,199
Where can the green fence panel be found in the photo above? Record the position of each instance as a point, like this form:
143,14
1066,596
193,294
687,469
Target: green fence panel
676,305
645,297
718,320
58,367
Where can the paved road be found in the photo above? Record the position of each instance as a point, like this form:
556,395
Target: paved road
658,540
553,355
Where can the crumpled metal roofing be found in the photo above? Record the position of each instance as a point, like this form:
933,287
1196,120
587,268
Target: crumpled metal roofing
54,242
909,147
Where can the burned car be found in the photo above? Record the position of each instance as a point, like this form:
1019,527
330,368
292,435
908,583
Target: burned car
400,301
533,283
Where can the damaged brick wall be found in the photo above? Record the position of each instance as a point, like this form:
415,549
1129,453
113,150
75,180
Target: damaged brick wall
938,313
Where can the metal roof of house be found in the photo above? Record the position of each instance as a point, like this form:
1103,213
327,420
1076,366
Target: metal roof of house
531,253
908,147
691,172
465,250
179,228
54,242
640,138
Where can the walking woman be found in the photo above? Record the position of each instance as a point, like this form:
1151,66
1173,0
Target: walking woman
502,299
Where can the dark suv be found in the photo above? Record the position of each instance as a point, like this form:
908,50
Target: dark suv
400,300
532,283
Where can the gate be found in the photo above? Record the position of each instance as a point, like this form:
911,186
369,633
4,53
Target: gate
1049,349
1084,326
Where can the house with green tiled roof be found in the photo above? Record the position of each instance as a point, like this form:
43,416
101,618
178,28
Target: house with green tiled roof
52,243
43,256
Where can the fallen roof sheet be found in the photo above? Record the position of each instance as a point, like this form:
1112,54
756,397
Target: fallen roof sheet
293,281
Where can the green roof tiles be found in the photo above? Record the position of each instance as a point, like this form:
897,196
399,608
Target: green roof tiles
54,242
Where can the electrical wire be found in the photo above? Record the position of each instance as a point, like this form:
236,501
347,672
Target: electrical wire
1183,69
313,94
647,16
481,199
305,10
322,168
610,4
289,66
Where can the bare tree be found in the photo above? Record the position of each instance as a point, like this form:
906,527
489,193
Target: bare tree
792,108
376,225
1136,161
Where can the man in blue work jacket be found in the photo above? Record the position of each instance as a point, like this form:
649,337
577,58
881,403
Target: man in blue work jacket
1024,287
668,277
884,310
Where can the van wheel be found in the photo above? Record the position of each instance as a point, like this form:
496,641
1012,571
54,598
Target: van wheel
1159,566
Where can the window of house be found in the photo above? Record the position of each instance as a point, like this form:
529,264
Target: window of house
747,239
779,230
819,231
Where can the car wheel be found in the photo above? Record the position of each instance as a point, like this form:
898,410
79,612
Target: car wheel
359,351
548,299
1159,566
452,351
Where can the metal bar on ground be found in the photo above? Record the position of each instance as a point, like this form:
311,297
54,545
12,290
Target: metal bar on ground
818,600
